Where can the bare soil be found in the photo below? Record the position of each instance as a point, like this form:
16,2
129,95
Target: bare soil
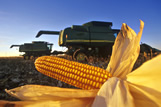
15,72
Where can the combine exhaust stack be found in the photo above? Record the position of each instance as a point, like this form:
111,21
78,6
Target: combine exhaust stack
116,31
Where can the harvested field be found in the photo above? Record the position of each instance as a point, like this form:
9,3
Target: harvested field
15,72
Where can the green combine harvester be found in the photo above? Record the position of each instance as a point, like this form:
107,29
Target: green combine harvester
94,38
34,49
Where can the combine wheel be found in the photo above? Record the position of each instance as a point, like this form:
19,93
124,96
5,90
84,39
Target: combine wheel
80,56
26,57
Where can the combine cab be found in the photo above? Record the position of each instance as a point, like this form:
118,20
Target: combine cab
34,49
90,39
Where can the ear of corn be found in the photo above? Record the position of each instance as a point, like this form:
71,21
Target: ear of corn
77,74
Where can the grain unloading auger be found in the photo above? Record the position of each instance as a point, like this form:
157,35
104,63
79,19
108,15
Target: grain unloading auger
94,38
47,32
14,46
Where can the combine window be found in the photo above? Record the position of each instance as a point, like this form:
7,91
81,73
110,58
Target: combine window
49,47
115,34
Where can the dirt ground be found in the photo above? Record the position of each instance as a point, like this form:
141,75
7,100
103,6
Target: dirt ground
15,72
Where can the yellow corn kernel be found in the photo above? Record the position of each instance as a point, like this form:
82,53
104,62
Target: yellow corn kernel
77,74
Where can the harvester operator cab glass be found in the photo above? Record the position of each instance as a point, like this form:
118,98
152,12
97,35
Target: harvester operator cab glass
115,34
49,47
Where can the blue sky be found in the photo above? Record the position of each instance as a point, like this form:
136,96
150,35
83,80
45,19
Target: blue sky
20,20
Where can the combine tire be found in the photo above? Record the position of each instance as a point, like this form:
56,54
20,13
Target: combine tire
26,57
80,56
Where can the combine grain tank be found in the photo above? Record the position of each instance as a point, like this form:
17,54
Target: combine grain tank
35,49
90,39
